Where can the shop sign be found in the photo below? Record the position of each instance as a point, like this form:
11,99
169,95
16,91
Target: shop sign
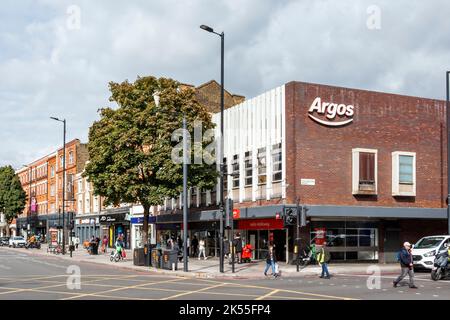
320,235
236,213
104,219
331,111
260,224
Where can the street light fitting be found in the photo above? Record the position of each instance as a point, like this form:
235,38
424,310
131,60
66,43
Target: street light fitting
206,28
57,119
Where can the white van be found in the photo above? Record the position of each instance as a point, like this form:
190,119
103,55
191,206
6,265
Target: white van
426,248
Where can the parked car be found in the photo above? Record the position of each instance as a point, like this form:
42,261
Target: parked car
4,241
425,250
17,242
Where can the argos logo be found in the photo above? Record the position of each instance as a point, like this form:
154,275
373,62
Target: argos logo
331,110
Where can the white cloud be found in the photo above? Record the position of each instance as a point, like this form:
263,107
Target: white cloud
48,69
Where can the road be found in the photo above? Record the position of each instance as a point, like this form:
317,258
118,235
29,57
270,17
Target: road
27,276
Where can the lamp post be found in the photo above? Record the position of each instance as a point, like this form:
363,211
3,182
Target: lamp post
448,147
64,185
222,94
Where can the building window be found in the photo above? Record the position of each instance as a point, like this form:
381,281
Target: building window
61,161
70,157
248,169
235,172
262,177
404,174
52,190
52,171
364,163
276,163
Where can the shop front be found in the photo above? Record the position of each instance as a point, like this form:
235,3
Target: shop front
261,233
116,222
87,227
137,231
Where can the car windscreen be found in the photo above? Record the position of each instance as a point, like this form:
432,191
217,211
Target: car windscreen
428,243
18,238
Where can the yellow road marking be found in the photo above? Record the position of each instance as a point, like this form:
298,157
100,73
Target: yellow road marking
267,295
282,290
119,289
193,291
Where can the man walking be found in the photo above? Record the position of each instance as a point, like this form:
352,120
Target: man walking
406,263
238,247
195,246
323,259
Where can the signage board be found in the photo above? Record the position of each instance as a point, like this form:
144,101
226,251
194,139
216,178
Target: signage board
331,114
260,224
308,182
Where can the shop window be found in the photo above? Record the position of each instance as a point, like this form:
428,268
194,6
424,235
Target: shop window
235,173
248,169
276,163
364,171
262,177
403,174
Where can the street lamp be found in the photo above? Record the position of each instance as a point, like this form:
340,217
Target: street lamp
448,147
64,184
222,94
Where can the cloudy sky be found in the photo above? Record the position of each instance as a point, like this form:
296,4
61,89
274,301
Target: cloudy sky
57,56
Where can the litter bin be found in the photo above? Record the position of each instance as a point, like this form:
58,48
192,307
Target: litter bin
156,258
139,256
170,259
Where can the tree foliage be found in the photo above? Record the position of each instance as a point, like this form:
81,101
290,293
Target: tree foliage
12,196
130,146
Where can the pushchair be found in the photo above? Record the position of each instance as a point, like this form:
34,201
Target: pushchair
247,253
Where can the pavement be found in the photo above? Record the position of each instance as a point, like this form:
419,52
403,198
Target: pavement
36,275
209,268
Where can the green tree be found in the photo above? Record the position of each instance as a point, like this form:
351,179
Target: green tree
12,196
130,147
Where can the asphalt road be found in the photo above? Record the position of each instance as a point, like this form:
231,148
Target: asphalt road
27,276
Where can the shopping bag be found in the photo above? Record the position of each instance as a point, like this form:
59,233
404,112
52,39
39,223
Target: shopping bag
124,254
277,268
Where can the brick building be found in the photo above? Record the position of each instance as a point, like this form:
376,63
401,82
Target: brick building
369,167
44,189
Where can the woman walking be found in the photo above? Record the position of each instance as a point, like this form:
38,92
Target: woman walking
271,260
202,249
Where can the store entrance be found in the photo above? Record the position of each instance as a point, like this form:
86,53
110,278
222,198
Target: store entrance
278,239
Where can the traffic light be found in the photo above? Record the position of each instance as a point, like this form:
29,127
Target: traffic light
290,216
71,221
228,213
303,216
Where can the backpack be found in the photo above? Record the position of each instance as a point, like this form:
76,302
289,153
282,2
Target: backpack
397,256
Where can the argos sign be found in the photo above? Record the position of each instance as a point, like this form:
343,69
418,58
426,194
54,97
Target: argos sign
331,110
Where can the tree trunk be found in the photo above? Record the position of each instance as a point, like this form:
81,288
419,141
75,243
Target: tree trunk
146,215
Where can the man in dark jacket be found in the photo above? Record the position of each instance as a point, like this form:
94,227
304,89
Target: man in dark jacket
226,247
406,263
195,246
237,243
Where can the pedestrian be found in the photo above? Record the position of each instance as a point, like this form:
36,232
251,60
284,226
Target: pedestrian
202,249
238,247
118,245
180,242
194,246
77,242
271,260
407,267
226,248
323,259
188,245
105,244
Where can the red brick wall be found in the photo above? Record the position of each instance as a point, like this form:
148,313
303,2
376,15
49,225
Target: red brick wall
385,122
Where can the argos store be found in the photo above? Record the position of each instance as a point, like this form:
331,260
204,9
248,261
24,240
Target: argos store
369,166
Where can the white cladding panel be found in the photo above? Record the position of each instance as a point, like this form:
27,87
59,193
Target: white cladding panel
255,123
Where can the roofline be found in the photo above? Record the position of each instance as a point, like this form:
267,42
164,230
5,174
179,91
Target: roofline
365,90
